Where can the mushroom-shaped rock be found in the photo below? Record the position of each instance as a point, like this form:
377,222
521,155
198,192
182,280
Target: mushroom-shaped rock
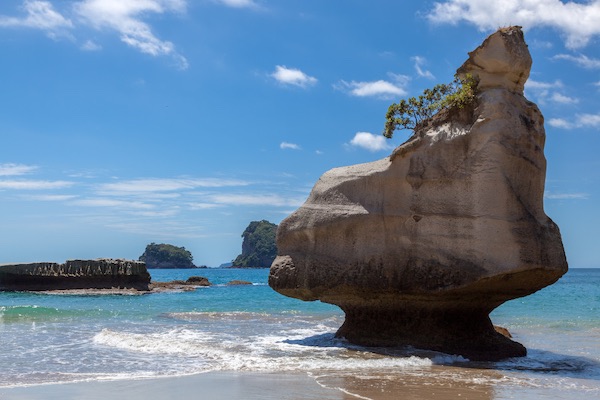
419,247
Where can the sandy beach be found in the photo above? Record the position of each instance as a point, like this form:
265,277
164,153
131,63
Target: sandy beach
212,385
473,384
242,385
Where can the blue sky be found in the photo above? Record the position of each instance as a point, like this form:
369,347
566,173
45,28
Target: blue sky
125,122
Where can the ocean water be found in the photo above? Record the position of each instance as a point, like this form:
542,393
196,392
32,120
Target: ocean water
53,338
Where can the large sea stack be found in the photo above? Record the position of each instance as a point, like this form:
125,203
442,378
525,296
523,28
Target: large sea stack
75,274
419,247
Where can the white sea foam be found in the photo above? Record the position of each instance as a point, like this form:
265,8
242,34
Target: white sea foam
261,342
255,353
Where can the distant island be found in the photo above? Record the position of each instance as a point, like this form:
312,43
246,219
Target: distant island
258,248
167,256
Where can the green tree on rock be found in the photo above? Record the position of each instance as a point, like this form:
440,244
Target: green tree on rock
412,112
259,248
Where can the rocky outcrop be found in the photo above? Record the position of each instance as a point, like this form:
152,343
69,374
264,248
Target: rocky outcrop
75,274
191,284
237,282
167,256
258,247
198,281
418,248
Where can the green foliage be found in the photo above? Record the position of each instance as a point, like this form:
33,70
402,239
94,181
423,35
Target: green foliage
408,114
259,248
167,256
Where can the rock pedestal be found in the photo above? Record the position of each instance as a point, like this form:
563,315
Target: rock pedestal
419,247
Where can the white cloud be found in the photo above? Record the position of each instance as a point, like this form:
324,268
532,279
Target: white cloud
125,17
292,146
592,120
381,89
237,3
292,76
419,63
578,22
370,142
170,212
16,169
150,185
122,16
34,184
582,60
546,91
562,99
203,206
532,84
566,196
541,44
272,200
160,229
51,197
560,123
100,202
580,121
40,15
91,46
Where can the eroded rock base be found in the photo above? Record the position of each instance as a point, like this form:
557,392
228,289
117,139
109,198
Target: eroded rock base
464,332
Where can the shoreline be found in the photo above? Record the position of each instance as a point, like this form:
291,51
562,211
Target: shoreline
212,385
236,385
435,383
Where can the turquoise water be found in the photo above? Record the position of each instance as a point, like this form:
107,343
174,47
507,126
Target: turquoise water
50,338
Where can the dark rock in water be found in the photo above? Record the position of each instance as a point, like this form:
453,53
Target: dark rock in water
238,282
418,248
179,285
75,274
198,281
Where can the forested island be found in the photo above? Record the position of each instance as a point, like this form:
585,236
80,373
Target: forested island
167,256
259,248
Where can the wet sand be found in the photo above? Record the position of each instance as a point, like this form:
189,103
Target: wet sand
211,385
270,386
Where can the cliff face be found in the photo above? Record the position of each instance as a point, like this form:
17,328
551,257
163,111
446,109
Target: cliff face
75,274
258,247
418,248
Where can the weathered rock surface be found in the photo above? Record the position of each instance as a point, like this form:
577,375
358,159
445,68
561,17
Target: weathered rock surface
75,274
418,248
